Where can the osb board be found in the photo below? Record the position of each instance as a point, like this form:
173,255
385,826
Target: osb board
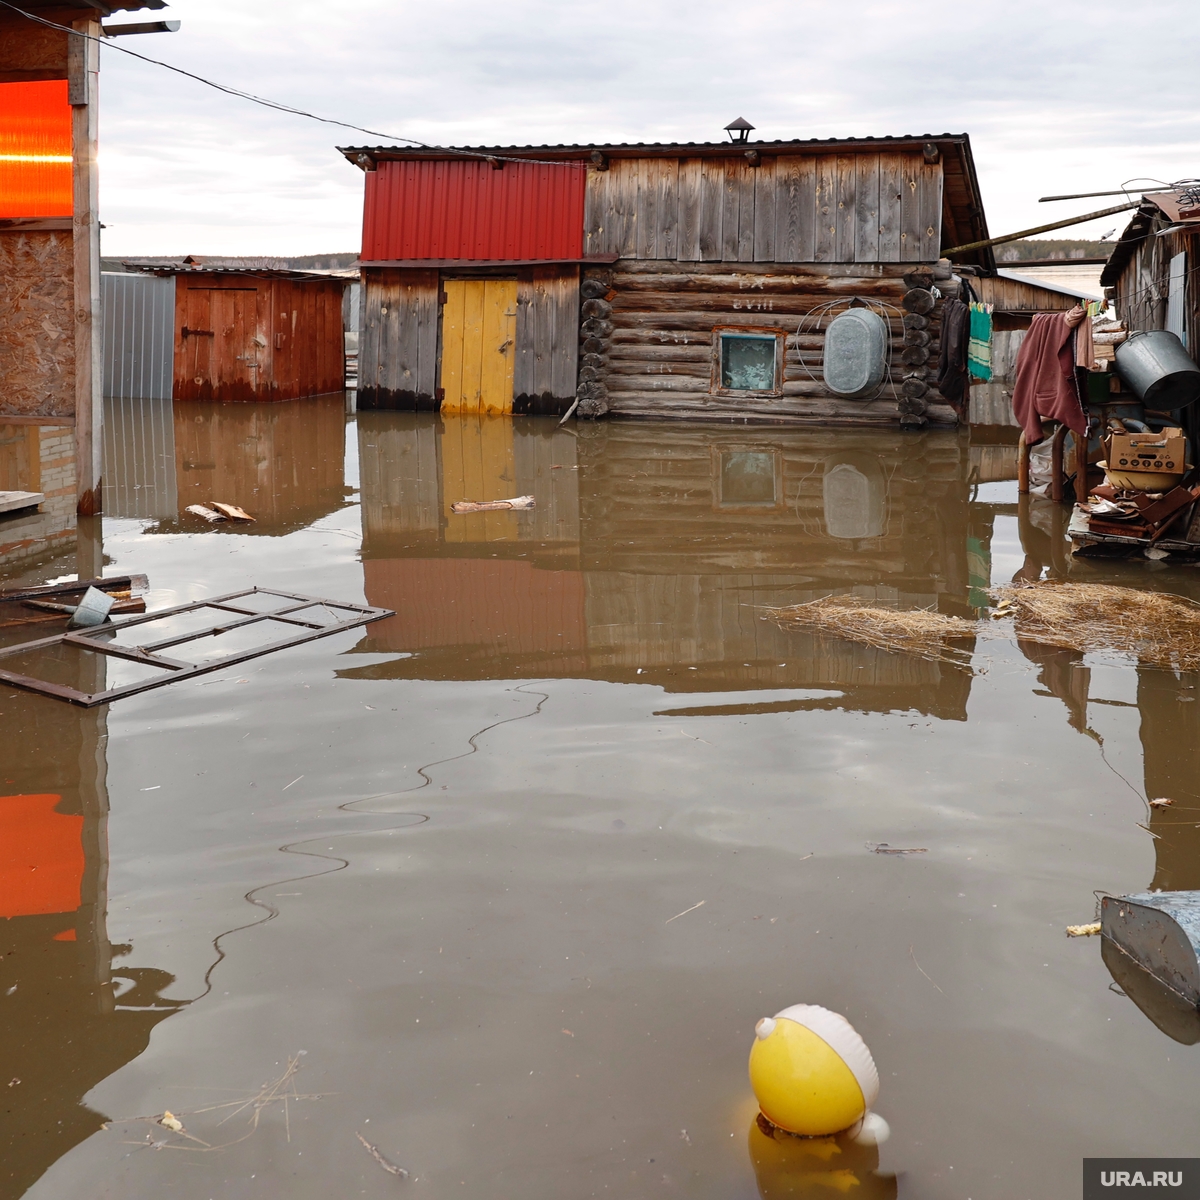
29,51
37,335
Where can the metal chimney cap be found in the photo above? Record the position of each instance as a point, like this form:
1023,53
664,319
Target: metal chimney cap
739,130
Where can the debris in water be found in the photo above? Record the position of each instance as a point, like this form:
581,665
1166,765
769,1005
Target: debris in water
309,615
1161,630
1083,930
1161,802
884,848
684,913
919,631
389,1167
171,1121
474,506
232,511
209,514
1160,932
92,610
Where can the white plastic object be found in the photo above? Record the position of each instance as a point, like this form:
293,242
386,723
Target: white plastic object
873,1130
833,1029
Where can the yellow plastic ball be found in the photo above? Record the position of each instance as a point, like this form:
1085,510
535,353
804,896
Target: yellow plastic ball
811,1072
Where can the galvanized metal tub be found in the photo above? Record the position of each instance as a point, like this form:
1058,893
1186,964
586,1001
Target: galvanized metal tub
1158,369
855,353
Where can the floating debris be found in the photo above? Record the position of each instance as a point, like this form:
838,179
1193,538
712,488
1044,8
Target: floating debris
209,514
1158,629
389,1167
884,848
919,631
232,511
474,506
1161,802
1089,930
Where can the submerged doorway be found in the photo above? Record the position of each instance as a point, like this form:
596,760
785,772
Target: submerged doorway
479,329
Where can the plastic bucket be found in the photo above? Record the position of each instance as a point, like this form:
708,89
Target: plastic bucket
1159,370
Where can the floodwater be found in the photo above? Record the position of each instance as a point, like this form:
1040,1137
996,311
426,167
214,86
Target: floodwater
510,875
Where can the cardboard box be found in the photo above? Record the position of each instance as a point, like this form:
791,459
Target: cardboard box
1164,452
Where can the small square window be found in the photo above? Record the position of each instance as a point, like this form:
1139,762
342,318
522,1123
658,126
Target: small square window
747,362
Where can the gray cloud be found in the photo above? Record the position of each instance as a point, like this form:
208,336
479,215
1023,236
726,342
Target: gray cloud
1066,97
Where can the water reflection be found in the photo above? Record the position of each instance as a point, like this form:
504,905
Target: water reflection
808,1168
283,463
652,551
71,1013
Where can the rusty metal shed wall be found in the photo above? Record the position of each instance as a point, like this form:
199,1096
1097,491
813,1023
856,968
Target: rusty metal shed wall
471,211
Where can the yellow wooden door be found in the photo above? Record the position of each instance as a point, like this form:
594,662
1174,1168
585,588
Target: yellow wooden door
479,329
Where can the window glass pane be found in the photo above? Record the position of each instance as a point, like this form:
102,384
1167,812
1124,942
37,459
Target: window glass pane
747,477
747,363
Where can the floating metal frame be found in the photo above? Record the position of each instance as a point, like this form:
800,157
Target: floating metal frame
176,669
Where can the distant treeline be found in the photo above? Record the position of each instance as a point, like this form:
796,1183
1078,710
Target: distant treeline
303,262
1063,248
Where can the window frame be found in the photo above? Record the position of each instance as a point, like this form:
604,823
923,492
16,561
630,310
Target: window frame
748,331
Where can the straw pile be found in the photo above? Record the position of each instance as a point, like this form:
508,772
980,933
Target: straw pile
917,631
1159,630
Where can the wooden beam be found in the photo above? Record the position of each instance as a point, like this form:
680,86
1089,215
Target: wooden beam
83,67
1024,233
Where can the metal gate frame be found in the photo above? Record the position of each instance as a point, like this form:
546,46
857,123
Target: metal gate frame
176,669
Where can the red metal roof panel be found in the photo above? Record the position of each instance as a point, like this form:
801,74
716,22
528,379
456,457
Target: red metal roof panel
445,209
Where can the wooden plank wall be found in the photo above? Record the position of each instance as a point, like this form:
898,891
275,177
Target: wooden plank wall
308,344
866,208
546,365
37,326
300,349
1016,296
398,341
659,361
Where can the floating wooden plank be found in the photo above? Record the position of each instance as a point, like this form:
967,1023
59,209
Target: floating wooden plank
209,514
475,506
232,511
11,502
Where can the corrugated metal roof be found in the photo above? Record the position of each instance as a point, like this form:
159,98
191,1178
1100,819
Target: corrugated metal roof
568,150
463,209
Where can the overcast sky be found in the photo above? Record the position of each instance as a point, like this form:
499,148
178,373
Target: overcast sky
1057,97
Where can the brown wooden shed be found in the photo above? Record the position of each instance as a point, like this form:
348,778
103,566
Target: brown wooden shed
246,335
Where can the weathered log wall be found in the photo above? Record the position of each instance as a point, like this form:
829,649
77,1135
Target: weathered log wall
648,340
834,208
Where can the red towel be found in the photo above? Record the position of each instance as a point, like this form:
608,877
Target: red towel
1046,378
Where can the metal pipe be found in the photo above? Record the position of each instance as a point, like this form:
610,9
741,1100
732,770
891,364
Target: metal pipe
1024,233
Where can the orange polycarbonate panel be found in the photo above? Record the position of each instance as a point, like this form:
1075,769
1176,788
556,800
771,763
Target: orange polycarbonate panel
41,857
35,149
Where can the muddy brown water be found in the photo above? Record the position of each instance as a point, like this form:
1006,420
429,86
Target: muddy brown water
437,862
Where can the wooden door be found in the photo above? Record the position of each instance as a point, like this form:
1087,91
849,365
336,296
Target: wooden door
219,344
479,329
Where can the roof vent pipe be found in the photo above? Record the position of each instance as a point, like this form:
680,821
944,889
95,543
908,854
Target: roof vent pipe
739,130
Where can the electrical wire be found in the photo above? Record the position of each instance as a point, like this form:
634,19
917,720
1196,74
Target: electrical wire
278,106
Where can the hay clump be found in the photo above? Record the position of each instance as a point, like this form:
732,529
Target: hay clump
919,631
1158,629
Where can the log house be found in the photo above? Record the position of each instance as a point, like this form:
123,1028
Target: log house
626,279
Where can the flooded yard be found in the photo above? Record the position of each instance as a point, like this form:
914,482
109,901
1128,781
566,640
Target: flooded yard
500,885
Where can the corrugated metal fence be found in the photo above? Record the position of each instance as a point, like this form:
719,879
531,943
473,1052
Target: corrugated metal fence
139,336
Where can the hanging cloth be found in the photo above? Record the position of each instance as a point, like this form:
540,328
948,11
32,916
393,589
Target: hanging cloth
952,362
1046,385
979,347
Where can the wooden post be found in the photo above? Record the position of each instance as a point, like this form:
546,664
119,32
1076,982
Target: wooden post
83,72
1056,464
1022,465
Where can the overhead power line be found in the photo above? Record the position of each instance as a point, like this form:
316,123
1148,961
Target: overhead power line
277,105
